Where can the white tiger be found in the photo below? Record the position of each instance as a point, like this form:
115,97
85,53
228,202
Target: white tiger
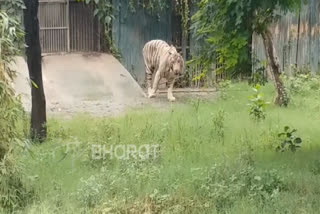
163,59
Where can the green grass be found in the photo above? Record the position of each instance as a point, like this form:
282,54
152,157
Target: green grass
196,171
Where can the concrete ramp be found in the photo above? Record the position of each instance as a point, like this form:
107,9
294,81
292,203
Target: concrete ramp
93,83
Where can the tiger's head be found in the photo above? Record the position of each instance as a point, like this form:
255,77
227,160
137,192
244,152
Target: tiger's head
176,63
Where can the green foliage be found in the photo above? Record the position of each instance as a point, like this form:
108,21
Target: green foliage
13,7
13,193
302,81
183,8
257,104
11,38
223,87
288,140
10,35
220,44
226,27
90,192
152,6
218,121
203,60
315,167
199,72
259,75
156,7
193,174
267,185
10,109
222,185
104,12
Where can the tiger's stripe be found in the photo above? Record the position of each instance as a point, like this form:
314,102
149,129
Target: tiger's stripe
152,53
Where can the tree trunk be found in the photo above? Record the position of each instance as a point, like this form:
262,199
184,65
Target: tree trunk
282,97
33,52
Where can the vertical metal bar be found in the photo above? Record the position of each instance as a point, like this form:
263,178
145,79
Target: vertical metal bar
68,26
61,32
49,24
55,38
40,25
99,35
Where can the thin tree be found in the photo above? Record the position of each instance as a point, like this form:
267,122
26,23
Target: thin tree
33,53
228,26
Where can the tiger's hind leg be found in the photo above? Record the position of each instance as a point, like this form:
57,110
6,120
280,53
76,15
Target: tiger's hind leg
149,79
149,83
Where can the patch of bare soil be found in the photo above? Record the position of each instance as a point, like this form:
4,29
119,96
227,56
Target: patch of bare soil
105,106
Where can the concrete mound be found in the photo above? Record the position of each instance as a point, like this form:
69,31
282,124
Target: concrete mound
93,83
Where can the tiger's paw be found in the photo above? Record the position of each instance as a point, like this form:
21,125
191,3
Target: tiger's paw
152,95
171,99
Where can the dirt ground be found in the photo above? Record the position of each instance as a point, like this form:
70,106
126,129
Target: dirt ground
104,106
107,107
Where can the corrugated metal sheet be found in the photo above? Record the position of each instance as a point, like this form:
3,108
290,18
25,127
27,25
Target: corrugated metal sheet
84,28
132,30
286,39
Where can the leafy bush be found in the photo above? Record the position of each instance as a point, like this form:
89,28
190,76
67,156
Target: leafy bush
90,192
298,84
315,167
267,185
289,140
257,104
13,7
13,193
258,76
223,186
223,86
218,125
302,81
57,131
9,105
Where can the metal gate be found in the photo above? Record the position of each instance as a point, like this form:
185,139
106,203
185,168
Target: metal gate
68,25
54,25
84,28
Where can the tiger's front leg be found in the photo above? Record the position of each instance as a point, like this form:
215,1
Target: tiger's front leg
171,98
154,89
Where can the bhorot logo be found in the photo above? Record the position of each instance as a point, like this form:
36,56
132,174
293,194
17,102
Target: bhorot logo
125,152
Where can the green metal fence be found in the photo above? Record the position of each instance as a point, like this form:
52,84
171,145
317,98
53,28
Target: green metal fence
132,30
